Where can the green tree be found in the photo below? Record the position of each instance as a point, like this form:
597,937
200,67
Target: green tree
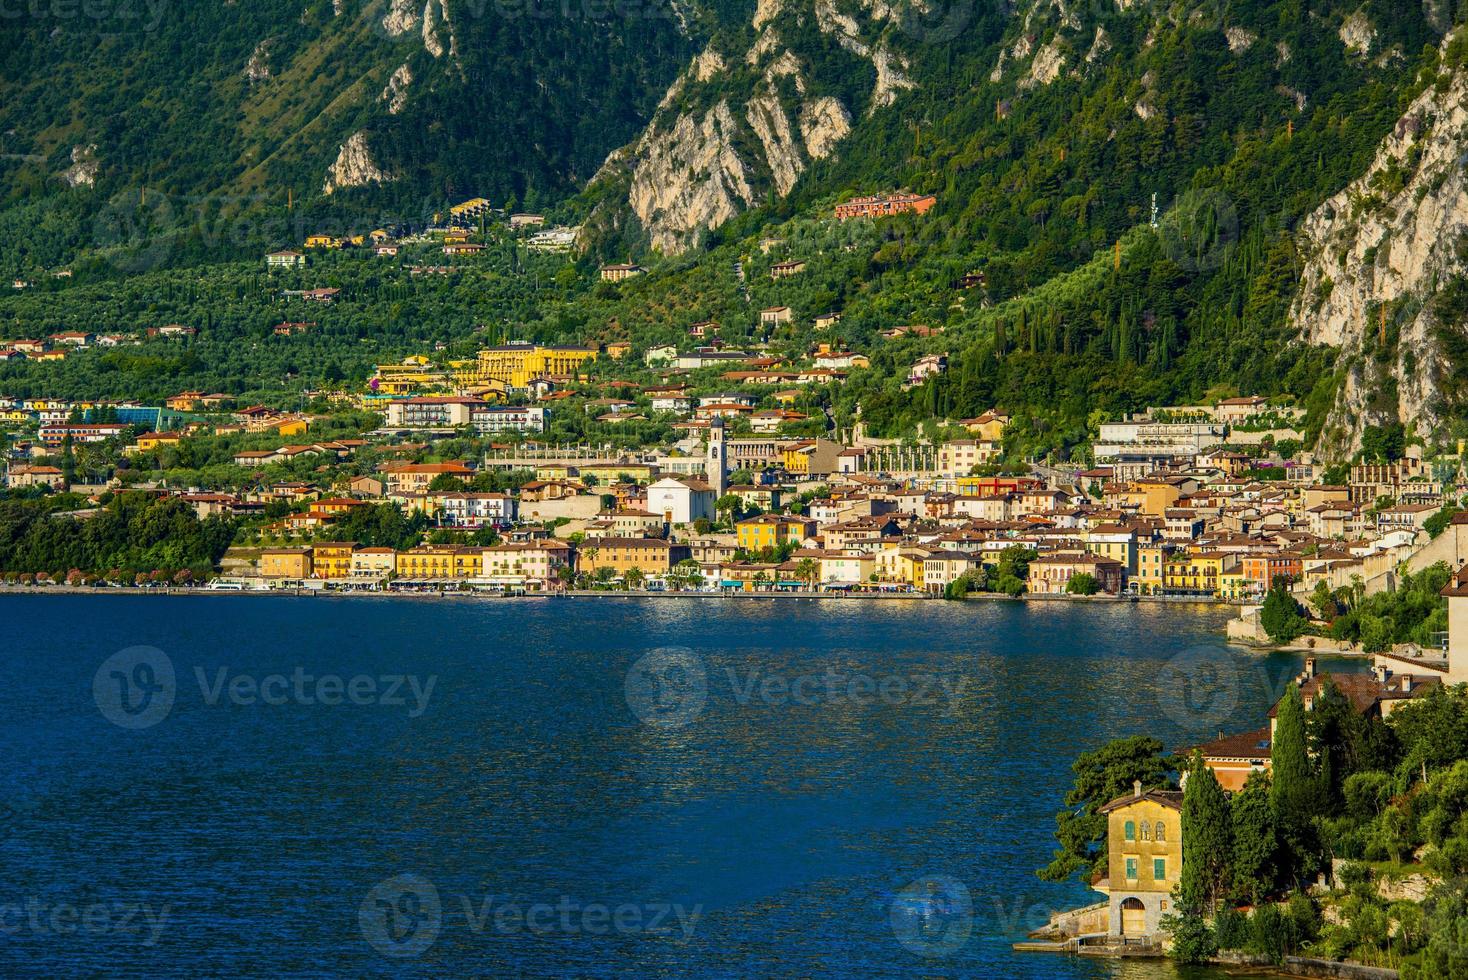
1101,776
1255,845
1207,841
1293,789
1280,616
1083,583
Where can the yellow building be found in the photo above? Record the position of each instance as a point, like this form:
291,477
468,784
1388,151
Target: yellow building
149,441
1153,497
516,364
321,241
415,373
989,427
1200,572
1144,860
439,561
795,460
553,471
772,530
1152,561
911,566
332,559
285,563
373,563
292,426
651,556
606,474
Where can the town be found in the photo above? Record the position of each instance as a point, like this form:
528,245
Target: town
1210,502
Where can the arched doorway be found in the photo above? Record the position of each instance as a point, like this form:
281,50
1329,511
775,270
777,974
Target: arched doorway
1133,917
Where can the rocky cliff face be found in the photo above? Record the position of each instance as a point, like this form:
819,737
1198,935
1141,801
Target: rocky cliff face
1376,255
354,167
713,150
707,155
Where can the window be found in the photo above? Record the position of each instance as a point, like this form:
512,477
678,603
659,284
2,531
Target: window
1146,831
1161,832
1159,869
1131,869
1129,830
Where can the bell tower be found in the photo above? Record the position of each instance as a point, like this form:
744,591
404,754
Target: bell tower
716,469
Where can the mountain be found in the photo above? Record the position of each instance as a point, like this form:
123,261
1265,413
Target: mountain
1385,276
240,104
1138,202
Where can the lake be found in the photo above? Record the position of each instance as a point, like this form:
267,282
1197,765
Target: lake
590,787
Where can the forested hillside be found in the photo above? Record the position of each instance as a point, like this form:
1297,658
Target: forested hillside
117,116
1128,195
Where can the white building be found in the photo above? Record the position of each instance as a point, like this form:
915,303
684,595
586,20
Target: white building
1142,436
476,510
681,500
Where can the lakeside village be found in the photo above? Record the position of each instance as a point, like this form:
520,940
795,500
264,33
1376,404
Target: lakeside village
716,468
754,492
1171,508
1330,841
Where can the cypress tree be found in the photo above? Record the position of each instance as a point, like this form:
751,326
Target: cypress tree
1254,844
1292,785
1207,841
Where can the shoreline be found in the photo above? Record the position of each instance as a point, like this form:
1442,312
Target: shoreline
772,595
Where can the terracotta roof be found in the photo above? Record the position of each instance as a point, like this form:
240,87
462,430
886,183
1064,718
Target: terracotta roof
1245,745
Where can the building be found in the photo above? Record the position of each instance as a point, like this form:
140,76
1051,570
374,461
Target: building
774,316
925,367
1144,862
415,477
885,205
530,564
372,563
784,270
285,260
681,500
286,563
1160,440
332,559
439,561
1233,758
941,568
20,477
716,468
450,411
515,365
476,510
54,436
651,556
772,530
959,457
1051,574
617,273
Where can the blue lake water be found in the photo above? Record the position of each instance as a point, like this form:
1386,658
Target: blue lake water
568,787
